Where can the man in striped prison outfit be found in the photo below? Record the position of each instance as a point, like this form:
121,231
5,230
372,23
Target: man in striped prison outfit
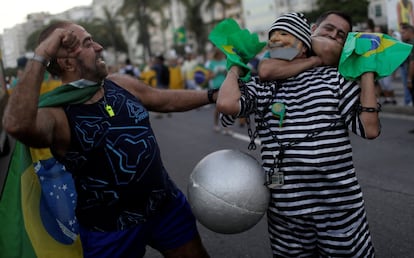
317,208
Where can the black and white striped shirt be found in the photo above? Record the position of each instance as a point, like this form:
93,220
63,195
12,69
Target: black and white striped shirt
317,163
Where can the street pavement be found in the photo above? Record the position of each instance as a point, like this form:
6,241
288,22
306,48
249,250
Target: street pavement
384,170
399,108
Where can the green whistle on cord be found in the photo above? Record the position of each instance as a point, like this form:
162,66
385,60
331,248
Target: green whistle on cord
278,110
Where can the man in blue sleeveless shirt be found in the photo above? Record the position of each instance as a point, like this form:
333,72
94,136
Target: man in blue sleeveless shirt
126,200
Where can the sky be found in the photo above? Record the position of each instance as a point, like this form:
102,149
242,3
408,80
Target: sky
15,11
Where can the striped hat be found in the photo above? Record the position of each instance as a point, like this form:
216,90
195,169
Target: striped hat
295,24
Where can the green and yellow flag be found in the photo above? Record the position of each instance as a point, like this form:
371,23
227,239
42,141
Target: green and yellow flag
371,52
239,45
37,205
180,36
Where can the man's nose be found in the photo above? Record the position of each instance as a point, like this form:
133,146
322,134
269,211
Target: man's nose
333,34
98,47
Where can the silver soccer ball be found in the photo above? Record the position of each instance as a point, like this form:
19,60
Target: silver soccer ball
227,193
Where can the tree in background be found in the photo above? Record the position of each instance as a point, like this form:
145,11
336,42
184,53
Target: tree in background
357,9
111,31
138,13
194,22
210,4
104,31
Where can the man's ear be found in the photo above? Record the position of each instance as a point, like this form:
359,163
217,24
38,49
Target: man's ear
313,28
66,64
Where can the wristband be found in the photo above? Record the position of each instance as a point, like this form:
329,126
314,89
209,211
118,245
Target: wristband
210,93
369,109
41,60
234,73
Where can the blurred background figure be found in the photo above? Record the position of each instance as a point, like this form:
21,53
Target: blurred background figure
130,69
407,36
217,73
405,12
49,82
148,75
161,71
176,77
386,85
21,64
187,69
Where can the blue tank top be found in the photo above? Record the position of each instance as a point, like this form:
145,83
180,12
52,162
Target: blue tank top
115,162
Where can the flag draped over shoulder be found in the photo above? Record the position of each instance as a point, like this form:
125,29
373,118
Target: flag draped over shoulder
37,205
371,52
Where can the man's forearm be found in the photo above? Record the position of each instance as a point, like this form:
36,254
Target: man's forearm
368,100
22,107
274,69
327,49
229,94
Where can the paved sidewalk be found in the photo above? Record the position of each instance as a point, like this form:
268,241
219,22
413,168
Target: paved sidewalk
399,108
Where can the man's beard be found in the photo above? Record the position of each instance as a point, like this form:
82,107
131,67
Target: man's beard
98,73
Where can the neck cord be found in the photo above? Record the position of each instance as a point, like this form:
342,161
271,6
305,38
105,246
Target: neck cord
107,107
278,159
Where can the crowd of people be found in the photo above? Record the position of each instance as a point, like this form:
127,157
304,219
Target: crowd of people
126,197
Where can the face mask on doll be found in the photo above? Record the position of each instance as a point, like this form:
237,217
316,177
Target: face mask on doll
285,53
283,45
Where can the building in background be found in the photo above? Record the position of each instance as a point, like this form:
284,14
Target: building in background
13,40
258,15
380,11
255,15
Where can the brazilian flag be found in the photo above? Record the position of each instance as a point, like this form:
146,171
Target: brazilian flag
201,76
239,45
371,52
37,205
180,36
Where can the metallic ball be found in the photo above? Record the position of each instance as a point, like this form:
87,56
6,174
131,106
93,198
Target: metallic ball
227,193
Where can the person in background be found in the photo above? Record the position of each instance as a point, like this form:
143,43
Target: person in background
189,65
385,84
125,198
407,36
49,82
405,13
148,75
176,77
162,72
217,73
130,69
21,64
316,207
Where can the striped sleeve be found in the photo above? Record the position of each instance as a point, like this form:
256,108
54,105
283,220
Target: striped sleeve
348,104
247,102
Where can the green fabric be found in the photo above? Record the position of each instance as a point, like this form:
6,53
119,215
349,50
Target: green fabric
239,45
371,52
14,239
180,36
67,94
